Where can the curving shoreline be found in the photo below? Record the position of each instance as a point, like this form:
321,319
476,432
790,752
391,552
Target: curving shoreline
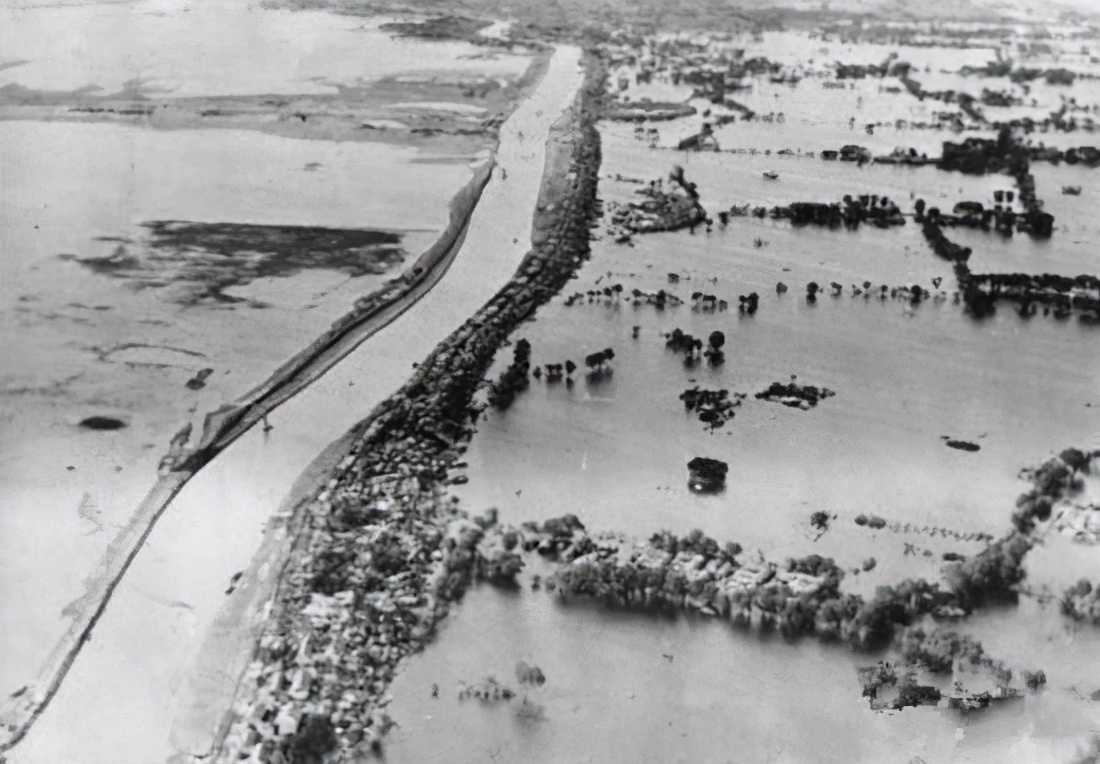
225,425
222,427
381,551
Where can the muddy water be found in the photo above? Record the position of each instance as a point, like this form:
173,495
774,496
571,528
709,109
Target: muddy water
632,687
613,451
159,624
169,48
82,343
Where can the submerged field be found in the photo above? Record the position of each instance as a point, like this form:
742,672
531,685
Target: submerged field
177,223
909,377
777,224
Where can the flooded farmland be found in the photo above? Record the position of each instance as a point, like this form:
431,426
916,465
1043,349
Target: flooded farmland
512,384
154,272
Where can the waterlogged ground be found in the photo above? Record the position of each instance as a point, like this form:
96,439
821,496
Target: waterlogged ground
635,687
123,341
165,48
612,448
151,275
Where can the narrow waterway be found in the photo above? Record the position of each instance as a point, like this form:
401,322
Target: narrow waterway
134,677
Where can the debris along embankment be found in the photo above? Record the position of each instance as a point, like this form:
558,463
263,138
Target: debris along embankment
382,550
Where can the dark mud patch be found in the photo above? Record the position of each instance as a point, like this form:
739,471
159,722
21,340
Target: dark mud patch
102,423
448,27
206,259
961,445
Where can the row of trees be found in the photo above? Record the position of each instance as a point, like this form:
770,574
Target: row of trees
514,379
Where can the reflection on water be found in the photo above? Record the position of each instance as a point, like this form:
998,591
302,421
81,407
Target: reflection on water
636,687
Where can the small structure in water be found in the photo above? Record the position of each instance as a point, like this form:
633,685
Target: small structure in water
771,175
707,475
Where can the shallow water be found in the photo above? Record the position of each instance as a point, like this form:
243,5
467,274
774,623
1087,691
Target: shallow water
171,48
170,622
81,343
614,451
637,687
913,379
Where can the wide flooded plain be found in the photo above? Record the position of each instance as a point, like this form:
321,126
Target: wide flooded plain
182,221
152,275
610,446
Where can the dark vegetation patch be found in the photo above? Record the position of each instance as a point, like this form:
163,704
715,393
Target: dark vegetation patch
102,423
213,257
1082,602
948,660
707,475
794,395
445,27
198,381
713,407
514,379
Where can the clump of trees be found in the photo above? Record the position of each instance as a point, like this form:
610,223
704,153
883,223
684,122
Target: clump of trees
659,299
707,475
961,445
514,379
715,342
608,295
713,407
1082,602
597,362
1050,482
941,245
487,690
684,343
794,395
872,521
555,372
995,573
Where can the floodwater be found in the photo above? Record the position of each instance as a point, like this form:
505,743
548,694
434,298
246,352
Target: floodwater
121,334
636,687
613,451
81,343
170,622
176,49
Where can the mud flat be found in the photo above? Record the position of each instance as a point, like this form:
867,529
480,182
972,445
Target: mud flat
165,688
165,50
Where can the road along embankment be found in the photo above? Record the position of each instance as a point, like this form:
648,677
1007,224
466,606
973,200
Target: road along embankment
123,687
381,551
226,424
